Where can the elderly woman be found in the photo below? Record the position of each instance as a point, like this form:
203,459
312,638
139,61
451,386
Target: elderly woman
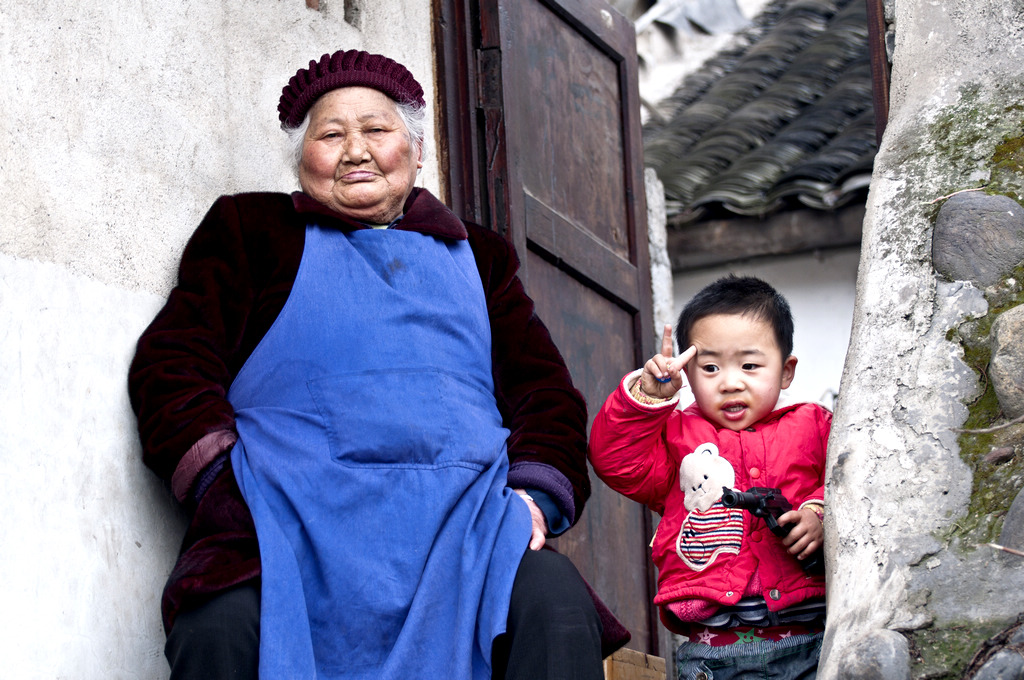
350,393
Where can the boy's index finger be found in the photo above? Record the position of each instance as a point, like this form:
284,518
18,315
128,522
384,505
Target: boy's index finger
666,341
679,363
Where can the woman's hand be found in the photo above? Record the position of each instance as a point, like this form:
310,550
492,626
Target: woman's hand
540,523
662,376
807,534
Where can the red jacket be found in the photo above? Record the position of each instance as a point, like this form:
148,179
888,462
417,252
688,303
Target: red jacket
637,450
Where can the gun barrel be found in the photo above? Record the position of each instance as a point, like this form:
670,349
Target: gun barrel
739,499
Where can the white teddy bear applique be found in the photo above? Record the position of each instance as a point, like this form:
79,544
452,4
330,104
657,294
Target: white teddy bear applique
710,528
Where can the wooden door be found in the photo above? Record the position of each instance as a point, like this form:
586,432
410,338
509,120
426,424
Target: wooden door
542,143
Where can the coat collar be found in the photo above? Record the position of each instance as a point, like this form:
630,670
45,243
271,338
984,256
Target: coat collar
423,213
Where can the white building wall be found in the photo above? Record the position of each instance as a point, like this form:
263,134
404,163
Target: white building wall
122,122
820,288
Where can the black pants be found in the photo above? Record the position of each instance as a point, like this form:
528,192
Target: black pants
553,630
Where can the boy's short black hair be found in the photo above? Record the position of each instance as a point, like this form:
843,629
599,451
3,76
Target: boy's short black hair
739,295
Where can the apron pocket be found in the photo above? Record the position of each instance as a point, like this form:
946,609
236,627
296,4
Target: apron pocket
408,418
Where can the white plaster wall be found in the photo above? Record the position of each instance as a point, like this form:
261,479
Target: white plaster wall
88,532
820,288
662,286
122,122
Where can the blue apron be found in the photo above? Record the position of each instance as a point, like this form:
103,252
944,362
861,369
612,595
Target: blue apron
372,456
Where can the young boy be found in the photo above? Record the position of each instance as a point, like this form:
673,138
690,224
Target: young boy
735,590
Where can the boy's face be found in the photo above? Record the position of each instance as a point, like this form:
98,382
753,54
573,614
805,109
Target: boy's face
738,371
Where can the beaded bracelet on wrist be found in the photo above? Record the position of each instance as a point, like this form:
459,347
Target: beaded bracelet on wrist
817,510
637,392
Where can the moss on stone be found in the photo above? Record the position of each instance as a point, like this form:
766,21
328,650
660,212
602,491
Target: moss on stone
994,486
986,133
1008,168
1010,154
975,143
943,653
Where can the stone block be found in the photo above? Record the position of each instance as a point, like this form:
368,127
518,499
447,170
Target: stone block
1005,665
878,655
1006,368
978,238
1012,534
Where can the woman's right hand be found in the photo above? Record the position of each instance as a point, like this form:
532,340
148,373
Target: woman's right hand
663,375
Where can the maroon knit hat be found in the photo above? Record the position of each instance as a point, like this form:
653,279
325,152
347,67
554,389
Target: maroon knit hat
342,69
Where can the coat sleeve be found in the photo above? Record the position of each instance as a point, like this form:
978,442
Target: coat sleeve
628,447
545,414
822,418
186,358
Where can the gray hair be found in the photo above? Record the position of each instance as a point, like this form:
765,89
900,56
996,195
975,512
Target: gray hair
412,116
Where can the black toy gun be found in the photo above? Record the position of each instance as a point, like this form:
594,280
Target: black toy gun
769,505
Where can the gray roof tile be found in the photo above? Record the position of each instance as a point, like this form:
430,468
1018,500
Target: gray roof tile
782,118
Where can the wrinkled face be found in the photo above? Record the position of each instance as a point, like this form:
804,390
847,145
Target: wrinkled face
357,157
739,370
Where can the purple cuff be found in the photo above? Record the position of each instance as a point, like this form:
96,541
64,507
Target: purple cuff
533,475
202,453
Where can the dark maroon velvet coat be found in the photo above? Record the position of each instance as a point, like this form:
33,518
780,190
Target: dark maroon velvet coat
235,276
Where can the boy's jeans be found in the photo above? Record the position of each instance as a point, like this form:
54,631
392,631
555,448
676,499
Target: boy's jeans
795,658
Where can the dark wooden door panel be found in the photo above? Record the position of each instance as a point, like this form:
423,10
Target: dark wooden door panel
609,544
571,146
594,333
551,158
571,246
568,116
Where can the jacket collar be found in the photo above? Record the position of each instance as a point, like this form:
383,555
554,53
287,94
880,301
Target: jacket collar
422,213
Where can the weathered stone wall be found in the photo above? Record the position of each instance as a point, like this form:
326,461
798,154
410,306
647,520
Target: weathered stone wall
122,122
914,500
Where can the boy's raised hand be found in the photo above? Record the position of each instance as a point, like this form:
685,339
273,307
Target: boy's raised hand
662,376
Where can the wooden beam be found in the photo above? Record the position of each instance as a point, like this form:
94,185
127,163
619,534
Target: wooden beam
629,664
716,242
458,137
880,67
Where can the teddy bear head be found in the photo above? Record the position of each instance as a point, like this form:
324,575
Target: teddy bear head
702,474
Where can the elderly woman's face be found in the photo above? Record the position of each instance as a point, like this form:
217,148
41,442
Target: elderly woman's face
357,156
